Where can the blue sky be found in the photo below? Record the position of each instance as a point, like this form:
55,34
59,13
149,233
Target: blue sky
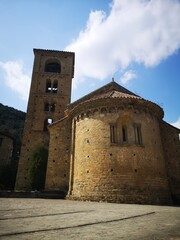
135,41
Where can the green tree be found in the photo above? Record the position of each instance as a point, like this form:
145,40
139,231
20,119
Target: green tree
37,170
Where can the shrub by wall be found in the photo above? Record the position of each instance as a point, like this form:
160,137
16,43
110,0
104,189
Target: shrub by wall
37,170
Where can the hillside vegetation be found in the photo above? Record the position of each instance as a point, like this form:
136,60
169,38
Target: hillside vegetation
12,121
11,124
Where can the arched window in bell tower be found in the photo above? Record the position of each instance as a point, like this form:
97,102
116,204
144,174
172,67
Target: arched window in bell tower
55,86
49,107
51,87
52,107
53,67
46,107
47,122
48,86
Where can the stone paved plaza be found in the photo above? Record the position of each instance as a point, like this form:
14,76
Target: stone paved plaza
49,219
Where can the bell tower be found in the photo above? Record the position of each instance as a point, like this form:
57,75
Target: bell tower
50,93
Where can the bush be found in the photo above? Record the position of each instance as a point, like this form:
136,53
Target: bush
37,170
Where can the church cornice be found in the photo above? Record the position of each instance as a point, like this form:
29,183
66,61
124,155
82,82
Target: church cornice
52,52
116,105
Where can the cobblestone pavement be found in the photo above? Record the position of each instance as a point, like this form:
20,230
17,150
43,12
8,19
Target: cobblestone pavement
51,219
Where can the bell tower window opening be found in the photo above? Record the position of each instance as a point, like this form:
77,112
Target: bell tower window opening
51,87
113,133
137,133
53,67
48,86
55,86
47,122
49,107
52,107
46,107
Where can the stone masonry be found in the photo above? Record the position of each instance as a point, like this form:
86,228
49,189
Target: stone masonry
111,145
50,94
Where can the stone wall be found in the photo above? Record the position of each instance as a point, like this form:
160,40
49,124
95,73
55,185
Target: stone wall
57,177
31,141
6,149
121,171
171,144
35,133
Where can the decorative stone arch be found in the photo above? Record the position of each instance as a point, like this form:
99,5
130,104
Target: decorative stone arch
82,116
89,114
120,109
112,110
103,110
52,66
77,118
95,111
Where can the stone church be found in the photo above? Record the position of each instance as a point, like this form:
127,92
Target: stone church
110,145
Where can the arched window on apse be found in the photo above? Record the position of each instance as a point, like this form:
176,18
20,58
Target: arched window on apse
137,133
124,125
124,134
113,133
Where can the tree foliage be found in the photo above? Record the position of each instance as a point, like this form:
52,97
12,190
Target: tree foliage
37,170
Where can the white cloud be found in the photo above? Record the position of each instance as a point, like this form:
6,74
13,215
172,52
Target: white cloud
141,31
15,78
127,76
177,123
